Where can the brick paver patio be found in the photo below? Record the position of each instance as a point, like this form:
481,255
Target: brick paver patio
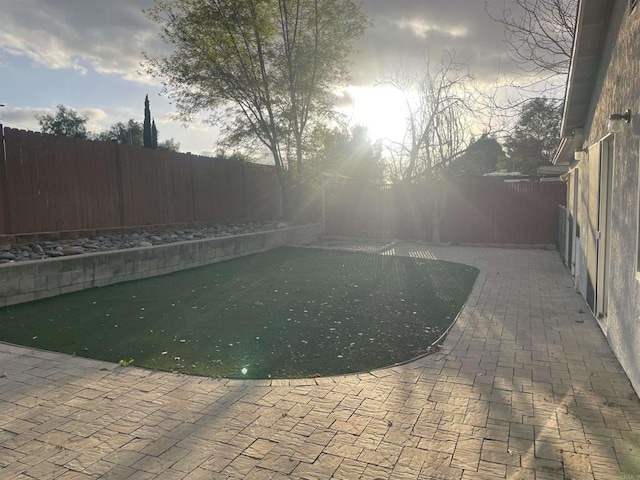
525,387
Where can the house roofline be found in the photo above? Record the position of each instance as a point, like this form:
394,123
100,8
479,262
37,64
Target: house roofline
592,25
568,145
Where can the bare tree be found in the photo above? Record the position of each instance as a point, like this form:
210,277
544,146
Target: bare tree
539,37
440,102
444,107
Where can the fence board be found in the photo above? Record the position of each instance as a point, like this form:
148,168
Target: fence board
5,209
476,210
17,156
220,187
108,196
203,173
53,183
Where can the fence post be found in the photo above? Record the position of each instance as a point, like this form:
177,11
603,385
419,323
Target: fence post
194,209
244,194
280,199
494,205
324,207
119,180
4,183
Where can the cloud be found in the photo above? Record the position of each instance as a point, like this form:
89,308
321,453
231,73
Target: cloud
409,29
107,37
98,119
168,117
85,37
23,118
110,36
343,99
423,29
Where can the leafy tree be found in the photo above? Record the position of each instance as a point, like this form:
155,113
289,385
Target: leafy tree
66,121
535,136
170,145
350,154
236,155
132,133
129,133
362,159
264,69
147,134
484,155
154,134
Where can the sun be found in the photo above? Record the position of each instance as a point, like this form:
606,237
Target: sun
382,109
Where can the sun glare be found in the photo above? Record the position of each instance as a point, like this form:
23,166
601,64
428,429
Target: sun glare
382,110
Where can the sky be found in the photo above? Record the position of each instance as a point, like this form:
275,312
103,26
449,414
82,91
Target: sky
87,55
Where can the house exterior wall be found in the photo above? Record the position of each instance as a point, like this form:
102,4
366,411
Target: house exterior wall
618,90
577,215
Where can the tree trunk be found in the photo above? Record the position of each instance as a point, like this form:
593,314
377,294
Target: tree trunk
279,177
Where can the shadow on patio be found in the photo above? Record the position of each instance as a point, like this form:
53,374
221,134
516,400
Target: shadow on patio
525,386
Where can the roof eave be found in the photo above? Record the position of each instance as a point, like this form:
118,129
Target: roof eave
592,22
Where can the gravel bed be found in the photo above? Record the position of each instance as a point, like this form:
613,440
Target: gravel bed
103,243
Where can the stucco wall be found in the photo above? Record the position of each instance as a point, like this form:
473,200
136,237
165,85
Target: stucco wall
618,90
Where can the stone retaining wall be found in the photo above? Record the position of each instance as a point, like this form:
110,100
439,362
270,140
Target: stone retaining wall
30,280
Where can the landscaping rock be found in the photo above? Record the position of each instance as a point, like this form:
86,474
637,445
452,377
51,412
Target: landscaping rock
52,246
72,250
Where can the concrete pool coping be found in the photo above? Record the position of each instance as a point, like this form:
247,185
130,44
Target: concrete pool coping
26,281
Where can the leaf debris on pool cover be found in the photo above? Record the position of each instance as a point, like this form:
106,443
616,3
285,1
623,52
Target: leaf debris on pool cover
290,312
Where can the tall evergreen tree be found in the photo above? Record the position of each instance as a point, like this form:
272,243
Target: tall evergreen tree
154,135
146,133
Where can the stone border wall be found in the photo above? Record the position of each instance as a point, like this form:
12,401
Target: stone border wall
30,280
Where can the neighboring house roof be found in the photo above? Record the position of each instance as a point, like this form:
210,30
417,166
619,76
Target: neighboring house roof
503,173
591,31
553,170
592,24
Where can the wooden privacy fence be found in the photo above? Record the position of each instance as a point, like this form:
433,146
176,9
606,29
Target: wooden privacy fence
474,210
54,183
370,211
487,210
